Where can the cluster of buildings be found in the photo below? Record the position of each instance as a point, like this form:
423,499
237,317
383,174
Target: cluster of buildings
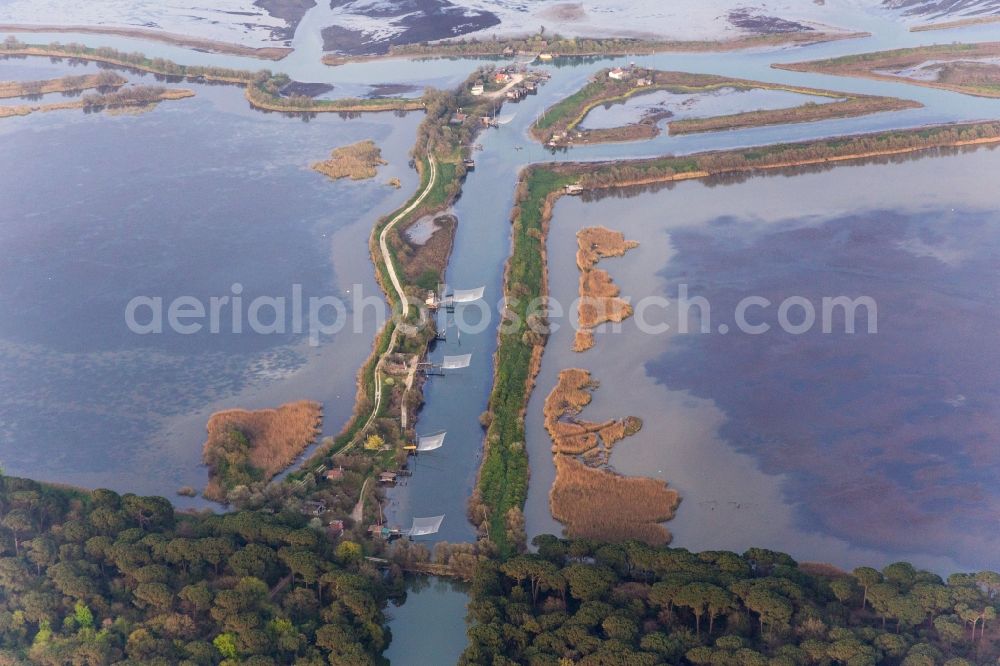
642,78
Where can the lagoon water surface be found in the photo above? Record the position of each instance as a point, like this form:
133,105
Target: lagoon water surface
186,200
836,447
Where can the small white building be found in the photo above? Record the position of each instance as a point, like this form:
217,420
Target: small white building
477,90
618,74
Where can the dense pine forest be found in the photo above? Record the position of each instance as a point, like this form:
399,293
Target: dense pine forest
98,578
589,603
101,578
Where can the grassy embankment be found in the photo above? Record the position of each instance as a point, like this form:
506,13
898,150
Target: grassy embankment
565,116
264,52
503,478
559,46
262,88
138,97
502,486
245,447
418,269
956,73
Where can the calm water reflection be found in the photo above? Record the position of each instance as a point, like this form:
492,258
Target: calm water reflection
177,208
430,627
835,447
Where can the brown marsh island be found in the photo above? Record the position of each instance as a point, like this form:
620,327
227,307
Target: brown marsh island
358,161
599,295
590,500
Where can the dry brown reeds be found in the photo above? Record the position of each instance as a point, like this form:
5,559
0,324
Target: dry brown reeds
598,504
358,161
573,436
571,394
591,502
596,243
599,301
276,437
599,295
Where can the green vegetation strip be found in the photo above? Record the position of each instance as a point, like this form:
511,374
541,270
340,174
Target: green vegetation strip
503,477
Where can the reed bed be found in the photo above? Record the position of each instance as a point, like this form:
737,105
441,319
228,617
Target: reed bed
247,446
573,436
596,243
571,394
593,502
583,340
599,301
599,295
597,504
358,161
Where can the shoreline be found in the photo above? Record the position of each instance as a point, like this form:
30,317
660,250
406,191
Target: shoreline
888,78
636,47
252,82
867,66
15,89
959,23
15,111
501,484
389,394
194,43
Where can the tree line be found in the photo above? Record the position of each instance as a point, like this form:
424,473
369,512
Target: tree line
625,173
587,603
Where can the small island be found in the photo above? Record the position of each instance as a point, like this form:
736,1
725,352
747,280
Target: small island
549,47
67,84
123,99
599,295
358,161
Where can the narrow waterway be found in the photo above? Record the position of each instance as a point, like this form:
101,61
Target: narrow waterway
430,627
